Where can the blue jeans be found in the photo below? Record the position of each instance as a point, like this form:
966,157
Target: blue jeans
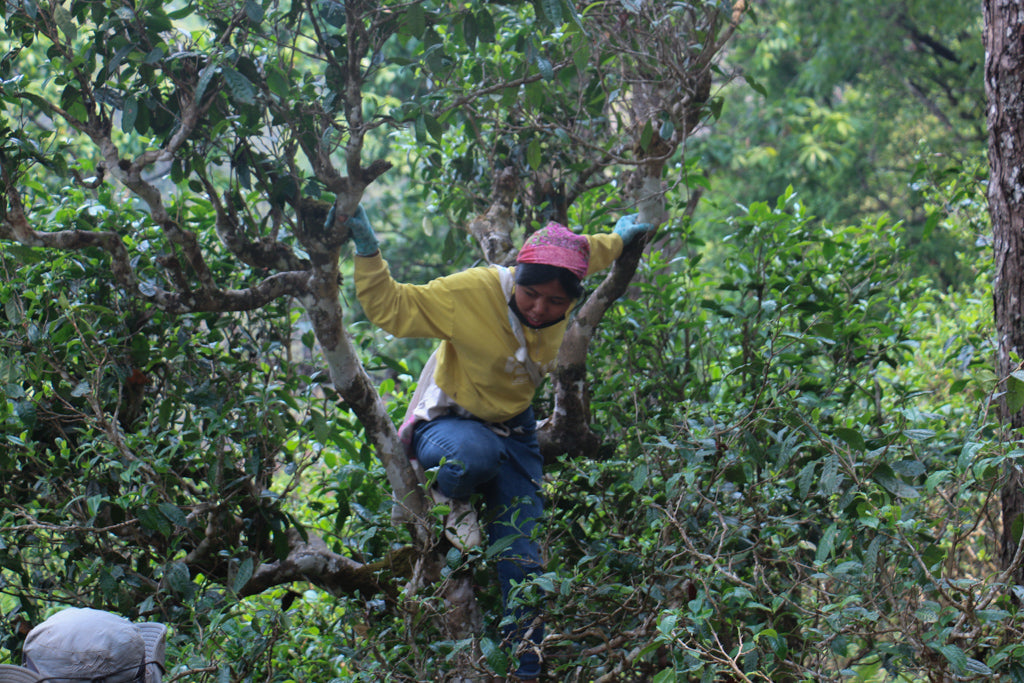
506,471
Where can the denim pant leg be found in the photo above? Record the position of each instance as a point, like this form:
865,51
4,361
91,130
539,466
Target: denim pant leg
515,497
466,452
507,470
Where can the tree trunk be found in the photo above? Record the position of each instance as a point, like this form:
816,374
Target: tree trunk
567,430
1004,87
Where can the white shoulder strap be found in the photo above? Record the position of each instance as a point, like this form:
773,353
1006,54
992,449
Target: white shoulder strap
425,381
522,354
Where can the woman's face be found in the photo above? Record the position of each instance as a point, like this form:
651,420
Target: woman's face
542,304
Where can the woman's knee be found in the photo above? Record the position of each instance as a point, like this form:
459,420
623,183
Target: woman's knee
466,457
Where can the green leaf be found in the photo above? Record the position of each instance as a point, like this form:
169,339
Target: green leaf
545,583
632,6
665,676
434,57
932,556
571,8
929,225
553,11
61,332
433,127
321,428
736,473
254,11
871,555
885,476
173,514
757,87
332,12
277,80
976,667
806,478
936,479
852,438
829,482
65,22
485,26
499,546
415,20
909,468
150,518
640,476
470,30
534,156
993,615
419,127
545,68
178,578
667,624
647,135
581,55
536,95
828,249
1015,391
27,413
243,575
279,541
496,656
205,76
827,543
955,656
667,129
242,90
181,13
156,20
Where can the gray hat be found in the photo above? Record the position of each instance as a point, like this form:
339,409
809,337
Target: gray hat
17,674
90,645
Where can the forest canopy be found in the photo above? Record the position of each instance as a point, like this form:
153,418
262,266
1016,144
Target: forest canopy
769,453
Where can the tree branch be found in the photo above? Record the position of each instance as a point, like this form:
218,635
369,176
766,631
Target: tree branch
493,229
311,560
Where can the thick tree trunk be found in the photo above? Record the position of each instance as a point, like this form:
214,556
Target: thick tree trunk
1004,86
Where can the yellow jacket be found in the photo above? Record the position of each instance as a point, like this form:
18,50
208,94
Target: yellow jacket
476,363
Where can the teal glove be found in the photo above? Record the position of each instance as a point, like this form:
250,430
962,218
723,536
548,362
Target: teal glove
628,229
362,234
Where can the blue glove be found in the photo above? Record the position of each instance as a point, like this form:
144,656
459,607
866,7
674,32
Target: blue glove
628,229
362,234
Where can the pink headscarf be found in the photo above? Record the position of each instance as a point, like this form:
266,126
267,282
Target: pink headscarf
556,245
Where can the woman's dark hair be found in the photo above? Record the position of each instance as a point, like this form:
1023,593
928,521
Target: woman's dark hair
538,273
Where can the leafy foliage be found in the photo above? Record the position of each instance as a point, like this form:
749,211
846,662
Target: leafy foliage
797,468
784,502
852,102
